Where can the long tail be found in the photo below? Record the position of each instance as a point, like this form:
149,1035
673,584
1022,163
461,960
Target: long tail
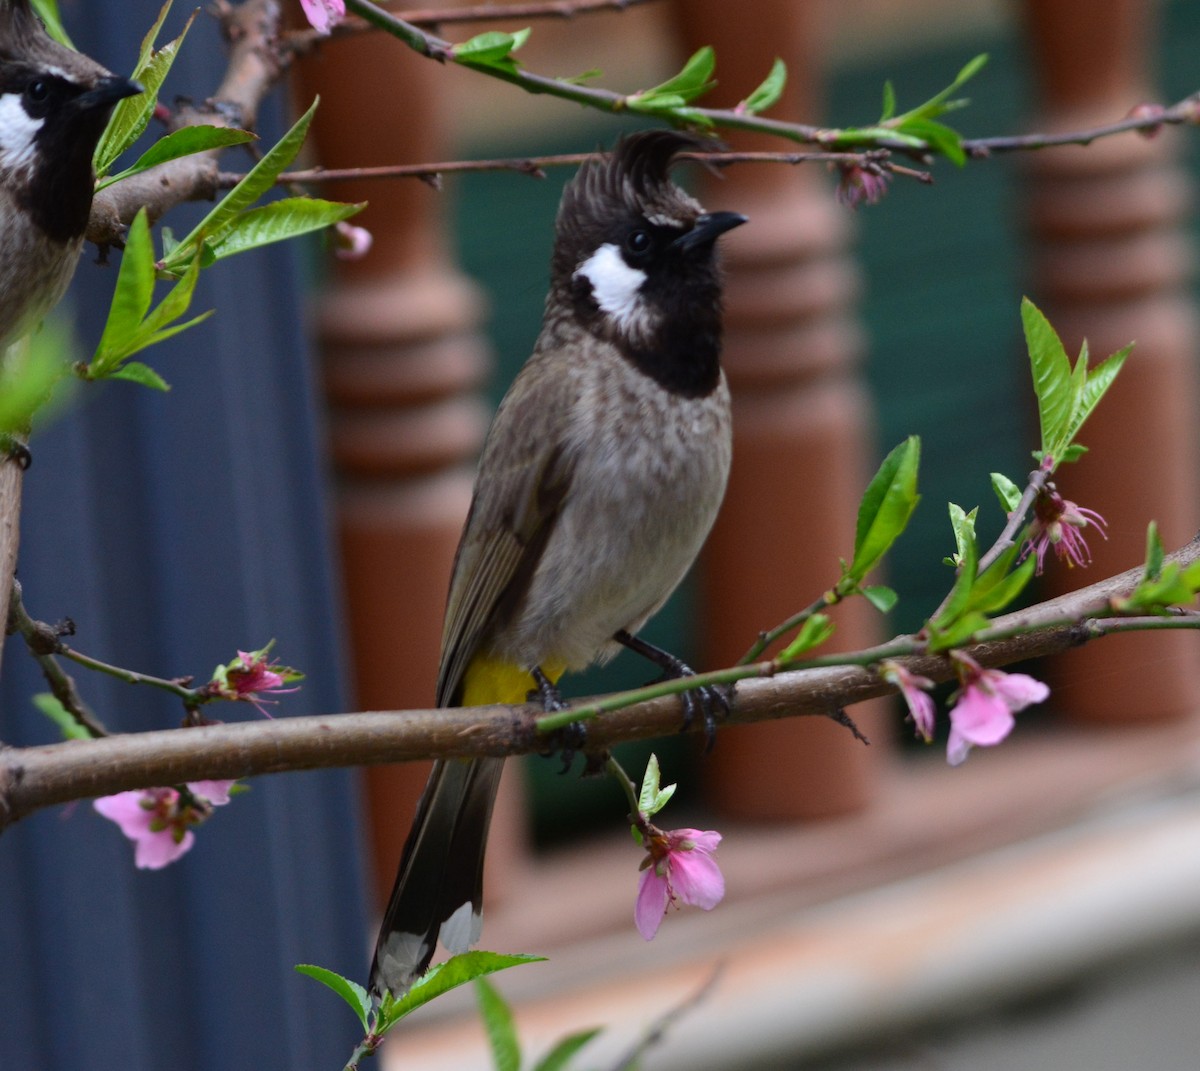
439,887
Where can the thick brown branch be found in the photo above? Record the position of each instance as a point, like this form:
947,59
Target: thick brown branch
35,777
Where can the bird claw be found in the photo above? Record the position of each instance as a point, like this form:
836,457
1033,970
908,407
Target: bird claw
571,738
710,702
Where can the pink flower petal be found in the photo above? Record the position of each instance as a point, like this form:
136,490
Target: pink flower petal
158,850
322,14
652,899
1018,690
696,879
216,792
125,808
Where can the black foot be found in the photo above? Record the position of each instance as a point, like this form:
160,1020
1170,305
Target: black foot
15,450
569,740
709,701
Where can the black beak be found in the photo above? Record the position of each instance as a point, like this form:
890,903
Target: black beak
709,227
106,92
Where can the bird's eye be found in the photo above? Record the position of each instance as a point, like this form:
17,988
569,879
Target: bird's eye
638,241
37,90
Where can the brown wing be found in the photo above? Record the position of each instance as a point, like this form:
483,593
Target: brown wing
523,480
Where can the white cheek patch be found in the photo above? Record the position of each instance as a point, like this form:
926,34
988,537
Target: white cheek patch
17,133
615,285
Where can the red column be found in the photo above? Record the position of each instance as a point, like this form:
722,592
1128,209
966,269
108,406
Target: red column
802,422
1112,261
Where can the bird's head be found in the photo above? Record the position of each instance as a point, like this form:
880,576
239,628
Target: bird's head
54,105
634,252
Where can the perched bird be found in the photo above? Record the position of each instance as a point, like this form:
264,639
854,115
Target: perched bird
54,105
599,481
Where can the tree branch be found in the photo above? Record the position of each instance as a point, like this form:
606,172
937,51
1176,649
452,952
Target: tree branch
36,777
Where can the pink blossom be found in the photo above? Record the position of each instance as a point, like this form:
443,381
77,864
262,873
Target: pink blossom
324,14
861,182
913,688
678,869
250,675
1059,523
351,242
159,820
983,714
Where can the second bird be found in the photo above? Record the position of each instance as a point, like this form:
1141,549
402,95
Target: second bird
601,476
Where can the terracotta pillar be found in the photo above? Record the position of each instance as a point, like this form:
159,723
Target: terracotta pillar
404,360
802,422
1113,261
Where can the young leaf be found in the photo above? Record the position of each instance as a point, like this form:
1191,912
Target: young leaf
963,524
881,597
132,115
559,1057
1007,491
652,798
1051,375
30,371
769,92
814,632
491,49
960,593
47,11
256,182
443,977
693,81
996,587
886,507
351,992
136,372
498,1023
183,142
1096,382
279,220
889,102
68,725
131,297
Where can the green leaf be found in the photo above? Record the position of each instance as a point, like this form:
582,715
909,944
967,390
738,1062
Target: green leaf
57,713
958,633
938,136
351,992
889,102
693,81
963,524
132,115
1072,453
960,593
1051,375
280,220
1007,491
652,798
769,92
996,587
440,979
886,507
30,371
880,596
136,372
186,141
47,11
491,49
1095,385
560,1055
131,297
814,632
256,182
498,1023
